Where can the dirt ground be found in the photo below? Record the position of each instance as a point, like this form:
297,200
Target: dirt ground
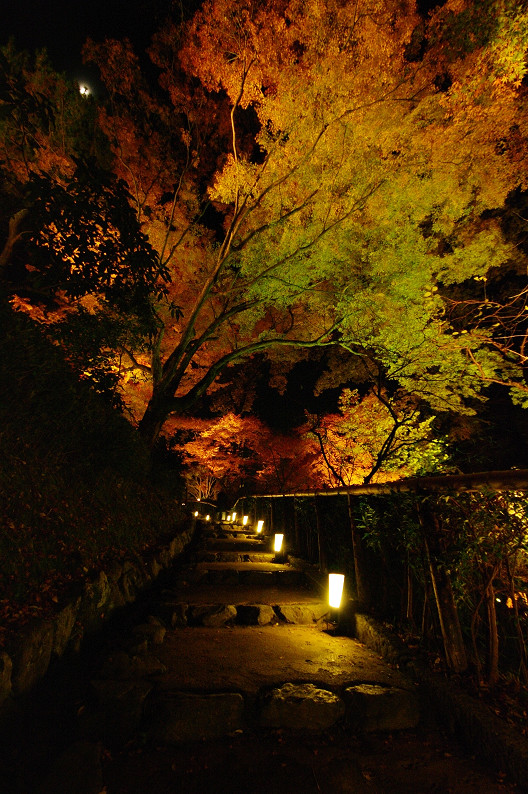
424,760
279,762
248,659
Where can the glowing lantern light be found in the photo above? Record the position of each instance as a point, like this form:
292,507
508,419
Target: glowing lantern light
245,520
233,516
278,543
196,512
199,499
260,524
335,589
84,90
208,518
228,517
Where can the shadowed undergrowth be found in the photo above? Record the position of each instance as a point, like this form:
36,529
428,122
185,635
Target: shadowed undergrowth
75,480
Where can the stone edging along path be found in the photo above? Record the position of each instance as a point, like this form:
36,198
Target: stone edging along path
484,733
29,654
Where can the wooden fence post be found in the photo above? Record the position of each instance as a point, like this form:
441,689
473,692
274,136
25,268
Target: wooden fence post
454,647
360,569
323,564
298,547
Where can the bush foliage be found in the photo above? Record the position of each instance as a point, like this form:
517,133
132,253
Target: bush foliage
75,479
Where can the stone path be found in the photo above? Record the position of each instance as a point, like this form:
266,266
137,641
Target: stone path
241,639
234,651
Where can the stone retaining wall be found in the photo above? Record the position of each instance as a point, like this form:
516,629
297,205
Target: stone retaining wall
29,654
489,737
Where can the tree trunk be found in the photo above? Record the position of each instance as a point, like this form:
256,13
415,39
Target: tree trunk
493,635
153,420
475,618
13,236
409,592
523,666
454,647
360,567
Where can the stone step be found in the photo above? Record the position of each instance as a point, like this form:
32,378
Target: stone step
239,556
229,544
269,566
184,613
229,531
241,536
126,709
223,573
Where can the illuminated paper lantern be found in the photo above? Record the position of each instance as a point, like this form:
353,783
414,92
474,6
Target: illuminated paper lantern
335,589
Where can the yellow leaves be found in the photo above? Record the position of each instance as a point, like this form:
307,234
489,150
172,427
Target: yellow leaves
455,6
237,180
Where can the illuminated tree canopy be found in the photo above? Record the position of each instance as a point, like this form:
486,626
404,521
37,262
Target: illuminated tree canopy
306,174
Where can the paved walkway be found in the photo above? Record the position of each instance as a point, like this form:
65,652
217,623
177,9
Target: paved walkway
266,623
231,679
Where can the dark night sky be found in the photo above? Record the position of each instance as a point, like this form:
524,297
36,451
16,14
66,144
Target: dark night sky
62,27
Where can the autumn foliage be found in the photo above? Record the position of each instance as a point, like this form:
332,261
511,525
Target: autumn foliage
306,176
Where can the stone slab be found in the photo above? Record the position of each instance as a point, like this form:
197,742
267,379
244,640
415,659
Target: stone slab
30,654
244,594
225,544
184,717
255,614
212,615
117,716
304,614
267,567
302,707
372,707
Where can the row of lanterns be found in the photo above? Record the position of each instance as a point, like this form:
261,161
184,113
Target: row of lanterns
335,580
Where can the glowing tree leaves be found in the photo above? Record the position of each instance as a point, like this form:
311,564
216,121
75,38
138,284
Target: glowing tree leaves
225,451
375,437
89,240
307,175
374,155
75,257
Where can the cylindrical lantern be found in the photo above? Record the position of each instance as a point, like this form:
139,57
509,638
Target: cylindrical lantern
245,520
335,589
260,524
233,516
278,543
208,518
196,513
